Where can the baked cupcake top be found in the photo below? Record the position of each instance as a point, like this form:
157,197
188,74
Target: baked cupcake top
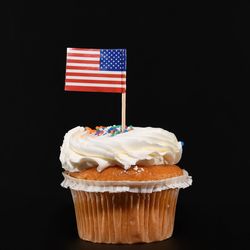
136,173
103,147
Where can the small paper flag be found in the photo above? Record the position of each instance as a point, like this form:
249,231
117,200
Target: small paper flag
96,70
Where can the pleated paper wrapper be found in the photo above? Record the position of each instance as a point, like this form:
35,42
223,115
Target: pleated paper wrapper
125,211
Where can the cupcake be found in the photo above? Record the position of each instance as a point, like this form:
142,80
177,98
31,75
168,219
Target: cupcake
124,185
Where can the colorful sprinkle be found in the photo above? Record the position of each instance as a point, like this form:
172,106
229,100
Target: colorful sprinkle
110,130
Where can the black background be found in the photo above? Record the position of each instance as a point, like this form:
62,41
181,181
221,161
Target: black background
188,72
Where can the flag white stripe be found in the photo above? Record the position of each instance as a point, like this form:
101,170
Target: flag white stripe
83,58
83,51
83,64
95,71
95,85
94,78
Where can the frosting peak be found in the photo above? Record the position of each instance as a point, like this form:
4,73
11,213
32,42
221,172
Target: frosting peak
101,148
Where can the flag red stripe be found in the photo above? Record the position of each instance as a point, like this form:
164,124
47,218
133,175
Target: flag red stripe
82,67
85,49
94,89
96,75
82,61
83,55
95,81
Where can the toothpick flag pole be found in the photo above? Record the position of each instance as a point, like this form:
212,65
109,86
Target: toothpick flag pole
97,70
123,124
123,111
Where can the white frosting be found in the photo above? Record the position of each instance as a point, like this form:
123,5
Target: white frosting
147,146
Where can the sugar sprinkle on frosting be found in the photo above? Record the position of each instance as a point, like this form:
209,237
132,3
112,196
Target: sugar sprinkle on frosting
110,130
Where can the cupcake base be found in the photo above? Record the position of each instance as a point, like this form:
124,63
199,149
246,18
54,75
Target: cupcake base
125,217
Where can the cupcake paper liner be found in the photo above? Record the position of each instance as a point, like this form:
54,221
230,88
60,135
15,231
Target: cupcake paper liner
182,181
125,217
125,211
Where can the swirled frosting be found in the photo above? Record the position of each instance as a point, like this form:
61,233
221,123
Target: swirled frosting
146,146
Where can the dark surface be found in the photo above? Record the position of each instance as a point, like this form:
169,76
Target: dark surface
188,72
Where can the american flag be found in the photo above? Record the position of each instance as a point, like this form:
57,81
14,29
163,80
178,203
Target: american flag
96,70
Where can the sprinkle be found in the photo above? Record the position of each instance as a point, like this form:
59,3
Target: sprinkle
135,168
110,130
90,130
140,170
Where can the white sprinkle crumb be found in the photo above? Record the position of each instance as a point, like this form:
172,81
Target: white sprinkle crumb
135,168
140,170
